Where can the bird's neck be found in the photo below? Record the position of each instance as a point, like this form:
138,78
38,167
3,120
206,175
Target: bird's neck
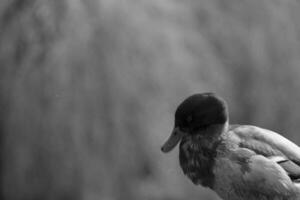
197,161
208,137
197,154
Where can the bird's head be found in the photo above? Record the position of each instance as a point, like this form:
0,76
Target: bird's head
203,115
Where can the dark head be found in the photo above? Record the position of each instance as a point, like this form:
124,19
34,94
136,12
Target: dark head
196,114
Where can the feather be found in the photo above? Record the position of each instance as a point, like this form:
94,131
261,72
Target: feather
272,146
268,138
291,168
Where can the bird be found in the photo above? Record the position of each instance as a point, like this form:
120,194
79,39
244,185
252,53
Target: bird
237,162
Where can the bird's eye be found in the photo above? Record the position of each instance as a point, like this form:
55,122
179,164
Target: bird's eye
189,119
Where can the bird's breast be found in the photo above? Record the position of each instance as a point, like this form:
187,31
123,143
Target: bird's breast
197,162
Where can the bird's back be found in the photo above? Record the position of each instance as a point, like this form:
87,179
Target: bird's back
249,165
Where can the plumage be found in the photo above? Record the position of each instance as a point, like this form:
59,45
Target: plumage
238,162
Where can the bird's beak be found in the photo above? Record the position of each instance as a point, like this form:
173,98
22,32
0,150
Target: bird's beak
173,140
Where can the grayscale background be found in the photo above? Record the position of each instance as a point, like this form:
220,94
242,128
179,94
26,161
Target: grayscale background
88,89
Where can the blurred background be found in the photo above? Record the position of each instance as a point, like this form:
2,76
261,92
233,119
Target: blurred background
88,89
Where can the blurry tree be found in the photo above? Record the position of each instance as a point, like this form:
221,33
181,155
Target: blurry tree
88,88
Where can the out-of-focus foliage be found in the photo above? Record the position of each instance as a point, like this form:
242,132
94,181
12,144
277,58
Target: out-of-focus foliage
88,88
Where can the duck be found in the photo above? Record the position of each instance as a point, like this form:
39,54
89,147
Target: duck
237,162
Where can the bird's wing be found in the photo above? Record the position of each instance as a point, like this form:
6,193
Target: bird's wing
271,151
